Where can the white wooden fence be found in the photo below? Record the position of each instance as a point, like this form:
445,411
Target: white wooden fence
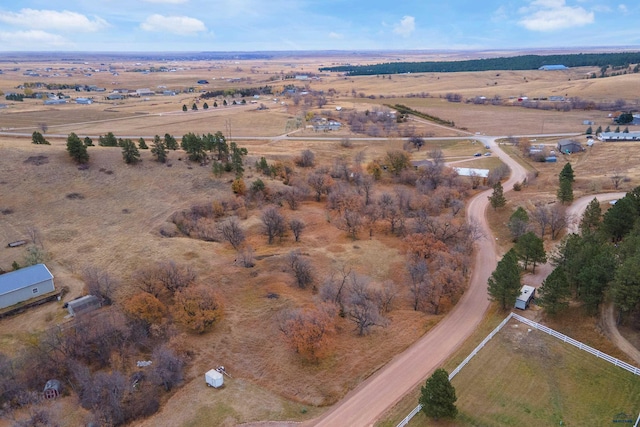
562,337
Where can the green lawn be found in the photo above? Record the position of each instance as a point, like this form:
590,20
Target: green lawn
527,378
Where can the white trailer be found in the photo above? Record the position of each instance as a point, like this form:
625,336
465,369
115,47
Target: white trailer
527,293
214,378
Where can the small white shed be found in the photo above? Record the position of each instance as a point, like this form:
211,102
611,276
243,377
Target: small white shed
214,378
527,293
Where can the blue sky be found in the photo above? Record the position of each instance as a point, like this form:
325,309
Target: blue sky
255,25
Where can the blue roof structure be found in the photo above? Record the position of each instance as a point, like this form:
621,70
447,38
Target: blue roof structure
553,67
24,277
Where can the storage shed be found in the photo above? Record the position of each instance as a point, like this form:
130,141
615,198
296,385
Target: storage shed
83,304
214,378
527,293
52,389
24,284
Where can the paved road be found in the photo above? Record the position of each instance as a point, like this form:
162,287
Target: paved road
369,401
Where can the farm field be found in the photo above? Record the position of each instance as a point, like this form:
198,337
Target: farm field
117,217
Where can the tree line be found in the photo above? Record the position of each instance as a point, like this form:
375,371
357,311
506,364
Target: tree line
522,62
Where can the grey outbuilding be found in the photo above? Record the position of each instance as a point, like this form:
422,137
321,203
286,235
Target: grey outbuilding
24,284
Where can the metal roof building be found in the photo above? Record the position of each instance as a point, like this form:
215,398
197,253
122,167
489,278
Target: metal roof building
24,284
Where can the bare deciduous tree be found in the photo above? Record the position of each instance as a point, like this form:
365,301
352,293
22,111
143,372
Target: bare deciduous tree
167,368
557,219
320,182
301,268
541,216
274,223
306,159
362,308
296,226
246,257
99,283
232,232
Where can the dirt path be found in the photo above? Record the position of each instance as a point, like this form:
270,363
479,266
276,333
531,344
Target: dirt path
369,401
607,312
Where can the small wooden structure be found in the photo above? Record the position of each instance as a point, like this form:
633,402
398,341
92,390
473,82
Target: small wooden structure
52,389
527,293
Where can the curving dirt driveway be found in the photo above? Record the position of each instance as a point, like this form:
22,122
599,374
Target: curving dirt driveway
607,313
371,399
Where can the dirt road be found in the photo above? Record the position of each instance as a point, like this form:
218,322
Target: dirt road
369,401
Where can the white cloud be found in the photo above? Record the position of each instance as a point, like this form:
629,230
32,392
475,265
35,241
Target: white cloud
405,27
623,8
551,15
33,39
180,25
335,36
53,20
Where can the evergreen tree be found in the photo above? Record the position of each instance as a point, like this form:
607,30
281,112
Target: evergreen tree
237,154
608,129
504,283
159,150
184,107
567,173
518,223
194,107
589,131
142,144
88,142
554,293
599,130
194,146
224,102
497,199
109,140
215,104
626,285
205,106
592,217
38,138
626,130
130,152
530,249
77,149
438,396
565,192
170,142
617,129
619,219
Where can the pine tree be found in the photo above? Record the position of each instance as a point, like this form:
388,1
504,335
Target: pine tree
504,283
77,149
205,106
497,199
130,152
530,249
170,142
184,107
109,140
554,293
589,131
599,130
565,192
88,142
592,217
142,145
159,150
438,396
518,223
567,173
38,138
194,107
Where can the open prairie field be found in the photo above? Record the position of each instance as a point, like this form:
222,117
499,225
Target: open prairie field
116,217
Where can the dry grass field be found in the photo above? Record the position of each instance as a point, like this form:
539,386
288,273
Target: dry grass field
109,215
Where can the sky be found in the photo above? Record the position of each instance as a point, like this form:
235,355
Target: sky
284,25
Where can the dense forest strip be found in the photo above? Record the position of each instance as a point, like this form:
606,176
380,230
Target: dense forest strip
523,62
404,110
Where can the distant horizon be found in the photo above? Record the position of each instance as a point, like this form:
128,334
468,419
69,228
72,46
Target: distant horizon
140,26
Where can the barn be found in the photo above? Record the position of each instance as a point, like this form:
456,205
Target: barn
24,284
